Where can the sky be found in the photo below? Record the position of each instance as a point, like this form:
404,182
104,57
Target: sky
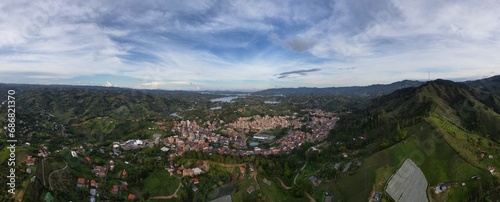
247,45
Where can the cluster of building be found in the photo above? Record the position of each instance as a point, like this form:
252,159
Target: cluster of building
320,127
91,185
258,123
191,136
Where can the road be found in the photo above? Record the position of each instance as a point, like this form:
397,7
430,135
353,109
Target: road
43,172
295,179
283,184
310,197
50,182
174,195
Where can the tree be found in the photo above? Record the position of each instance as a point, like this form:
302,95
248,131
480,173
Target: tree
287,172
146,195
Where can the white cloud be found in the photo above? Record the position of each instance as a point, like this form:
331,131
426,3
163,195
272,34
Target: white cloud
207,44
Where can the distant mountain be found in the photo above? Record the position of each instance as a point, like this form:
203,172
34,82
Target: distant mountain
372,90
491,84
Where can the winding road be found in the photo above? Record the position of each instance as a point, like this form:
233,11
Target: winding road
50,175
174,195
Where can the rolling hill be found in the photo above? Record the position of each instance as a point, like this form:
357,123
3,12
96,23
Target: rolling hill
441,125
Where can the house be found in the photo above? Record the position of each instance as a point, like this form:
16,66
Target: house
476,176
73,153
99,171
482,154
124,173
442,187
243,170
346,168
266,181
29,160
195,181
187,172
124,185
337,166
88,159
164,149
490,168
33,178
194,188
250,189
93,192
131,196
111,165
197,171
315,181
377,197
28,170
171,171
344,154
93,183
80,182
115,189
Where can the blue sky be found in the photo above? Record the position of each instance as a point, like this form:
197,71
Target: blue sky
246,45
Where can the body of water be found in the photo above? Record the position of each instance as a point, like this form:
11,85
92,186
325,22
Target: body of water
271,102
224,99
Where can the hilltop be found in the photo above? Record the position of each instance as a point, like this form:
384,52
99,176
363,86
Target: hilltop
442,125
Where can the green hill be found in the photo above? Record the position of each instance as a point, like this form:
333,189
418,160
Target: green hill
443,126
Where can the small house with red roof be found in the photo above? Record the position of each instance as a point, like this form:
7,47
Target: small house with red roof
243,170
195,181
81,182
93,183
29,160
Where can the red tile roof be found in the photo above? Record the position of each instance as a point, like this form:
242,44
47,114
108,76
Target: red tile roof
81,180
131,196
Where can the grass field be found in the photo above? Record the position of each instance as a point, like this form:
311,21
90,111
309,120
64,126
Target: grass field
468,145
427,148
241,191
160,183
4,155
275,192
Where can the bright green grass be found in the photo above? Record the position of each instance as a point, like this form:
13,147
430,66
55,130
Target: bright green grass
427,148
241,191
275,192
160,183
468,145
4,155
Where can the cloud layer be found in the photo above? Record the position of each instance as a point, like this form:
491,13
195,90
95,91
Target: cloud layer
246,44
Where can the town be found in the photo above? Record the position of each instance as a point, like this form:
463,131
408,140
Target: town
189,136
